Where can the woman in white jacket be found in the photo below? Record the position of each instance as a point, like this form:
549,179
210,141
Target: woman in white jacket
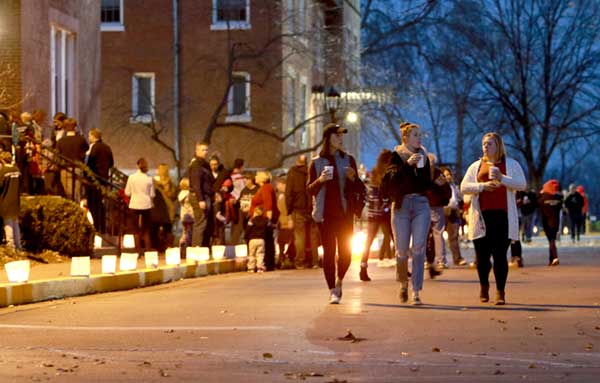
492,182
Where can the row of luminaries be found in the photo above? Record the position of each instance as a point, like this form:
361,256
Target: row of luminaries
18,271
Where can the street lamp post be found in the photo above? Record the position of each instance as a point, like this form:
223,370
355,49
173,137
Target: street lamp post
332,100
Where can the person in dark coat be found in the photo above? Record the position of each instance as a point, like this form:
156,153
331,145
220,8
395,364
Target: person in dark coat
299,207
201,186
73,146
574,204
550,202
9,200
100,160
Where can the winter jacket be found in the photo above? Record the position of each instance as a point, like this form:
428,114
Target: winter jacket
438,195
514,180
201,180
297,198
9,191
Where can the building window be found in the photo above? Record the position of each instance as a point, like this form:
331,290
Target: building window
303,116
111,15
301,16
142,97
291,108
238,101
291,15
230,14
62,70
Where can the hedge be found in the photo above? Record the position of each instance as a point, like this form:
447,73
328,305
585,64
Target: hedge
55,223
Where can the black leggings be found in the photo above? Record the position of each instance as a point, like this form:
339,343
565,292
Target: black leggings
494,244
336,234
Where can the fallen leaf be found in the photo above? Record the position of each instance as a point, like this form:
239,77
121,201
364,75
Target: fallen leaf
597,327
458,372
532,365
589,347
351,338
537,328
163,373
414,369
47,364
498,372
404,353
435,349
501,321
267,355
145,363
170,331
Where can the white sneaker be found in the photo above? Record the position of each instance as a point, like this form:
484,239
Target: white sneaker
334,299
416,301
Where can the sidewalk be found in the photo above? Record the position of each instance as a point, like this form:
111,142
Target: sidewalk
53,281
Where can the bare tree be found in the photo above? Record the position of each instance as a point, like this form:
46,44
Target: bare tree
537,68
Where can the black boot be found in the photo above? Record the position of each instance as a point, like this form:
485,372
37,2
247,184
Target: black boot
484,294
500,298
363,274
433,272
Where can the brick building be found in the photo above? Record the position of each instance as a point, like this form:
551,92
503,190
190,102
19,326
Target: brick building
50,58
242,70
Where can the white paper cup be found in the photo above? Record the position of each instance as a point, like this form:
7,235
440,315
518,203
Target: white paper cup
421,162
329,170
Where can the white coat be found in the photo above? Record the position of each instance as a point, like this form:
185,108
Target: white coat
514,180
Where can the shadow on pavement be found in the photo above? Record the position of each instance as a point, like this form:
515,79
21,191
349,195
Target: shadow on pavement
474,281
491,307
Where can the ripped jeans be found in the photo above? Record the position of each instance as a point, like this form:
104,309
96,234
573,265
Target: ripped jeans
411,219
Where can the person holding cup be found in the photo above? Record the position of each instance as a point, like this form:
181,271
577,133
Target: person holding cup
332,177
493,221
407,181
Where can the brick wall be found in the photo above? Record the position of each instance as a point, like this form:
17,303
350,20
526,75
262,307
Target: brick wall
203,60
10,53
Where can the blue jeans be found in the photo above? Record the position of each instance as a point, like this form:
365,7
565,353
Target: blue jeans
411,219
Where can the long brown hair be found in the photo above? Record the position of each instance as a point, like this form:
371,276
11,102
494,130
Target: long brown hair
383,161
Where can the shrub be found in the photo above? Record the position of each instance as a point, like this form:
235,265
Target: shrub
55,223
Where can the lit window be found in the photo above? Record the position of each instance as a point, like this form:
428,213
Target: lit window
142,100
238,102
230,14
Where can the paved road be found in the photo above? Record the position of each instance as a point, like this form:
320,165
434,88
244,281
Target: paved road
278,327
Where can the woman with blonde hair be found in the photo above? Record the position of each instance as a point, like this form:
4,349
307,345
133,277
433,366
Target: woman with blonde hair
266,197
406,184
493,221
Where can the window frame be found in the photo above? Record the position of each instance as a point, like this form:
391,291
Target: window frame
245,117
63,74
142,118
223,25
114,27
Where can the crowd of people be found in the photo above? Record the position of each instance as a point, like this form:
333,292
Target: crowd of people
411,199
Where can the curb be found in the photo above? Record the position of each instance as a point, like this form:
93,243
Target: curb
57,288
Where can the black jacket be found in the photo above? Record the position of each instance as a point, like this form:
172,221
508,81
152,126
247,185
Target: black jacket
73,147
401,179
9,191
256,228
296,196
100,159
201,179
